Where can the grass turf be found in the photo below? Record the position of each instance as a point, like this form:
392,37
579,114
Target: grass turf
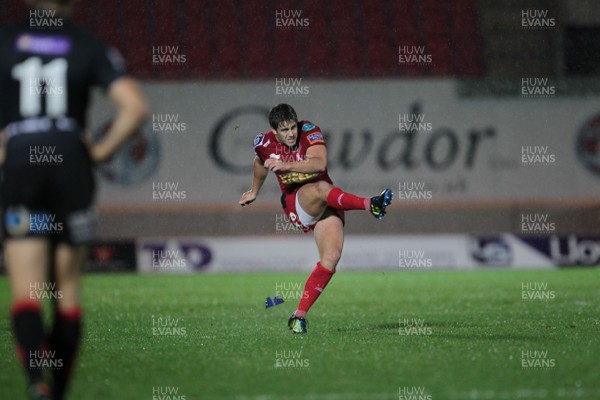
476,326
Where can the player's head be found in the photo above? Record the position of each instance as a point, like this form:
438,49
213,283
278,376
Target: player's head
284,121
281,113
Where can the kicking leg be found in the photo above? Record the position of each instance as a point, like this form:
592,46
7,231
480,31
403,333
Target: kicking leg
314,197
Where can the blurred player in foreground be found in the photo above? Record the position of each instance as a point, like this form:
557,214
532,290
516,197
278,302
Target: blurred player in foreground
47,69
295,151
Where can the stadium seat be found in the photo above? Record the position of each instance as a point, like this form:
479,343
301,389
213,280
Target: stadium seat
238,39
167,32
257,28
318,58
348,53
199,38
381,57
227,39
137,25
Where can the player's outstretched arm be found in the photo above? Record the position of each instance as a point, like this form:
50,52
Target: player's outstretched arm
315,161
132,110
258,178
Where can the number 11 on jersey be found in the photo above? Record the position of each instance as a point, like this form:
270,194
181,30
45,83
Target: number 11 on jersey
37,79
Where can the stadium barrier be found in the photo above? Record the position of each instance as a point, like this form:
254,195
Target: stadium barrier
366,252
103,256
111,256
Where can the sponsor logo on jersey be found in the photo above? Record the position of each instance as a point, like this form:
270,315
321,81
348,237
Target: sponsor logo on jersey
315,138
308,126
43,44
296,177
258,140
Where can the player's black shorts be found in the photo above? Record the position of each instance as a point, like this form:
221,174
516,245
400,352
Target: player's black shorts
48,188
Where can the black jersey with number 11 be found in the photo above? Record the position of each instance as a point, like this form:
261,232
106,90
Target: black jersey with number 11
48,72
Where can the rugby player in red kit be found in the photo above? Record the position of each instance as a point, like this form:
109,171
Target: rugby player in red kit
296,152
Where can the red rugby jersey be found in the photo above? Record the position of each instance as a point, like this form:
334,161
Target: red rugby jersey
266,146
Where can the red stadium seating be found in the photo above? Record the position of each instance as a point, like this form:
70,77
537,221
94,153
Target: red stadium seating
288,57
380,51
167,32
228,50
139,41
257,61
198,37
467,41
223,39
345,34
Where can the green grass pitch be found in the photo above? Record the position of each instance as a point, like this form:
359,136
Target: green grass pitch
379,335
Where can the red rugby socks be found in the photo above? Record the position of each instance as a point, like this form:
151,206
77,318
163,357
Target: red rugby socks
64,340
341,200
26,316
316,282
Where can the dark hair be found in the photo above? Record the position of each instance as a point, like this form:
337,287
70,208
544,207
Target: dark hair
281,113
